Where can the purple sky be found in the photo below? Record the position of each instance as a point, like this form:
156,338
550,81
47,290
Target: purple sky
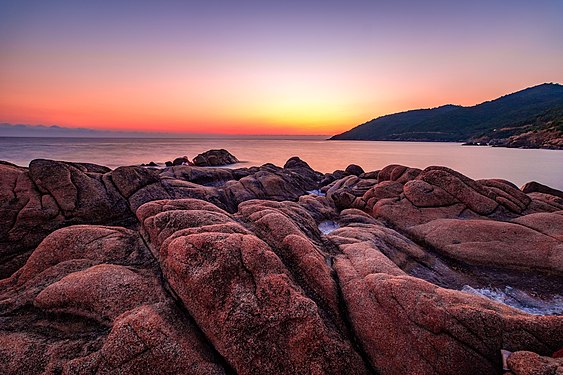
265,66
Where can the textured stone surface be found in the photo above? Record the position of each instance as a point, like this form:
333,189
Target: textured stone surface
196,270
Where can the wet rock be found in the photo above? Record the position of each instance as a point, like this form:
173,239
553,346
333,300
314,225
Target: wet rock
354,169
444,331
214,158
151,164
182,160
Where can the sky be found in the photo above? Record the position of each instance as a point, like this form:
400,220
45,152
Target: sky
265,67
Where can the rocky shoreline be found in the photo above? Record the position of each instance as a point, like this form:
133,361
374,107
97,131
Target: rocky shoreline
275,270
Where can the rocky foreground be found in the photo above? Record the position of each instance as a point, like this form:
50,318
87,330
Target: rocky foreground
269,270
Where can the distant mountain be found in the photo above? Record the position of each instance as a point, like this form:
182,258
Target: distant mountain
24,130
535,108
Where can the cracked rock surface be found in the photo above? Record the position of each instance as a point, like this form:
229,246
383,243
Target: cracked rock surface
197,270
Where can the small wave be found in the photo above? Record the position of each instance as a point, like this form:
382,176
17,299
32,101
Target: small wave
520,300
328,226
316,192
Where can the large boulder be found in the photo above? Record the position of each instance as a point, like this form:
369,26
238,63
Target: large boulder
214,158
242,295
493,243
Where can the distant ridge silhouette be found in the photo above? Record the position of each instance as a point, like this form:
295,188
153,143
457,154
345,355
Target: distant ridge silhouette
534,108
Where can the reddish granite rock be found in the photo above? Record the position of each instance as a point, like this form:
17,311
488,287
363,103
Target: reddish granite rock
101,292
383,190
536,187
224,188
443,331
48,195
398,173
26,217
152,339
474,195
422,194
545,202
240,294
489,242
81,191
507,194
241,270
401,213
529,363
550,224
439,192
80,282
182,160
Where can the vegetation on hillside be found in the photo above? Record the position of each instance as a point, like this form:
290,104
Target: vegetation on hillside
535,108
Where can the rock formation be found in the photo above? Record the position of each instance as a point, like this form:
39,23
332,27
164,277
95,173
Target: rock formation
214,158
196,270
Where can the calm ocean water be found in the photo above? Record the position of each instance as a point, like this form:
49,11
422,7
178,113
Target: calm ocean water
516,165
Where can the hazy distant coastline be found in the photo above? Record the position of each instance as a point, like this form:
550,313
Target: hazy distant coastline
529,118
55,131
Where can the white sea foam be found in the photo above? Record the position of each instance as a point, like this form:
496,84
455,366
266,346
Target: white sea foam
328,226
316,192
520,300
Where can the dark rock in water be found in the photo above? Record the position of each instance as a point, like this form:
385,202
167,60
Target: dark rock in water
151,164
169,163
331,177
182,160
475,144
213,270
215,158
536,187
354,169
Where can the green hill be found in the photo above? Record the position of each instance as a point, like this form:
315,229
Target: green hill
513,113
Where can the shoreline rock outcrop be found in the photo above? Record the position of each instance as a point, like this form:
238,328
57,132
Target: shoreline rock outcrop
214,158
197,270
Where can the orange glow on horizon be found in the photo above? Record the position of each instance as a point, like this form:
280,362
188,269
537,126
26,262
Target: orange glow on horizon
264,67
281,109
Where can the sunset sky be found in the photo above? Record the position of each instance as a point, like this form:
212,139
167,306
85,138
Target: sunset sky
265,67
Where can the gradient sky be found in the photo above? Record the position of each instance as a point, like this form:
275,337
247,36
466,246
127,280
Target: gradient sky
265,67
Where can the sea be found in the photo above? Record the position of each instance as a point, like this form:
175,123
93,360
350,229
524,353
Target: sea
516,165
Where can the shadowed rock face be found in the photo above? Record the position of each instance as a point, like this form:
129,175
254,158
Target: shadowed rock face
195,270
215,158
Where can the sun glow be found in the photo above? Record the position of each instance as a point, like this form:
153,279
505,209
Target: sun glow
262,69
